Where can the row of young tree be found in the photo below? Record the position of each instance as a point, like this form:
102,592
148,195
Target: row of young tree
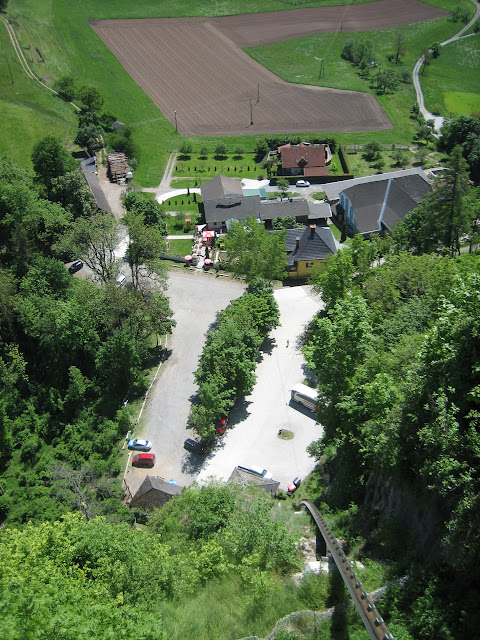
71,349
226,368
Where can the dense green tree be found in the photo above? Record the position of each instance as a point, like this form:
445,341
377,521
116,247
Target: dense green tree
75,196
283,185
371,150
287,222
444,215
51,160
185,148
400,46
253,251
65,86
91,98
153,213
221,150
144,248
333,281
89,137
94,241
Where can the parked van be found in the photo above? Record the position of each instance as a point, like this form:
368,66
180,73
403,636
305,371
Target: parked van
304,395
143,460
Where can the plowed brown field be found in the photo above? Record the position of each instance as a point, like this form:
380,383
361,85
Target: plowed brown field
195,69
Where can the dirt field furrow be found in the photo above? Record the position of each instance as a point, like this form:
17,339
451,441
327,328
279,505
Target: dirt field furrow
196,68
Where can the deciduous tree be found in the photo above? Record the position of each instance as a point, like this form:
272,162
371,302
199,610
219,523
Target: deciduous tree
253,251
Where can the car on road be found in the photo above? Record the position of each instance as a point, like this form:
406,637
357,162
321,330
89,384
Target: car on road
193,446
139,445
221,425
143,460
302,183
293,486
75,266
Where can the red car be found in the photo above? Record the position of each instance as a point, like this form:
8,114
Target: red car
222,425
294,486
143,460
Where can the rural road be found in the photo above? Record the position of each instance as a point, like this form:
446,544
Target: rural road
416,80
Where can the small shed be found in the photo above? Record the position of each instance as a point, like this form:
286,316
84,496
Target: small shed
246,478
154,493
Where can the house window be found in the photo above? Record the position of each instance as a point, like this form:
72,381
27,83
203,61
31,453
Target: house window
308,265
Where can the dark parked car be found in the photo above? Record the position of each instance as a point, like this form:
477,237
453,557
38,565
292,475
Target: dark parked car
192,445
294,486
143,460
75,266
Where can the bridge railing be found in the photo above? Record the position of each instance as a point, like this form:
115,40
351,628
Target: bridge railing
369,613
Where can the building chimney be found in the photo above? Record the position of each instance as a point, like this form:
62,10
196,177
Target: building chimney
297,243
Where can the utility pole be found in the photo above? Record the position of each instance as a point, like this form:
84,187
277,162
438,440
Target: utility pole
322,68
251,112
175,114
258,92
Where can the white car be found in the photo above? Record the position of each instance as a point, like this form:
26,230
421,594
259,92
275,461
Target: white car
302,183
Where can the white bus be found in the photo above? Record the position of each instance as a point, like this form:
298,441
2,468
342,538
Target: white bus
304,395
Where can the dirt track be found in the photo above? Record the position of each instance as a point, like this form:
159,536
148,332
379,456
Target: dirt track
196,67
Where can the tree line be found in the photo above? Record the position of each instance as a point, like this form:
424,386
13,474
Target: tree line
226,367
71,349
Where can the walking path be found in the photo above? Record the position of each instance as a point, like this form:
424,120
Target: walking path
416,82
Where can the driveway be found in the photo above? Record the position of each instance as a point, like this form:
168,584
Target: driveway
252,437
195,298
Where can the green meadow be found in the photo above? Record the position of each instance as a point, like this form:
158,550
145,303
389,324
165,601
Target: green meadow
451,83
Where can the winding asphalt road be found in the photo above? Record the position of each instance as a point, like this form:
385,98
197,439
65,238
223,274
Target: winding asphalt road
416,81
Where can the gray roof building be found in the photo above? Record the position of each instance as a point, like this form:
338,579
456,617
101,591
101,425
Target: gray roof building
333,189
310,244
244,477
224,200
378,205
154,492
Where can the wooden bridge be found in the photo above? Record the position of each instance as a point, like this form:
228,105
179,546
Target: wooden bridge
371,617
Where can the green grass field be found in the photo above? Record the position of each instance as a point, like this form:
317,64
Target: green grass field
451,82
60,29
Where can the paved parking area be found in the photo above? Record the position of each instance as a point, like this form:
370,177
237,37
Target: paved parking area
252,438
195,298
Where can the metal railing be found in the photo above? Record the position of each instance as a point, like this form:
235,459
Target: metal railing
369,613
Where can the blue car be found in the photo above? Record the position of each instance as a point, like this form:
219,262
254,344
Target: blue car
140,445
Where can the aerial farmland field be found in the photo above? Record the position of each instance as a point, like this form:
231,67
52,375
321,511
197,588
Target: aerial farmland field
195,71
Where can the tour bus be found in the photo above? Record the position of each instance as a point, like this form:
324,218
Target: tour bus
304,395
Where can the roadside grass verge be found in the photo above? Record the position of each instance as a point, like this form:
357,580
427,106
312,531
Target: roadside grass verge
451,83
